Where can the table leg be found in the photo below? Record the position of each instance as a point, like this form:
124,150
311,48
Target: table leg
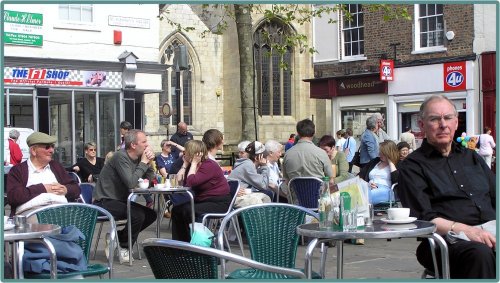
192,209
158,214
340,259
129,227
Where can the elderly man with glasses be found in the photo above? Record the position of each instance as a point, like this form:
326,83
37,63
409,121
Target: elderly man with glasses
39,174
452,187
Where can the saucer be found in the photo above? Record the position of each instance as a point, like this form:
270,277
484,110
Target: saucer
391,227
8,226
399,221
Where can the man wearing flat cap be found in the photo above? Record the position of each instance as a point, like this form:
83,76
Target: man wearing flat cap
39,174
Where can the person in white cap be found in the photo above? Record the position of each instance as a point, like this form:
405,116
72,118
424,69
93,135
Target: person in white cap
39,174
253,173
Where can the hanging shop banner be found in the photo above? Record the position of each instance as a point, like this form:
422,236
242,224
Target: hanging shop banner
454,76
386,70
22,28
40,76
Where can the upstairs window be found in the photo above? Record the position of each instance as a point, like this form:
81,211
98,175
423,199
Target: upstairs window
429,26
77,13
353,31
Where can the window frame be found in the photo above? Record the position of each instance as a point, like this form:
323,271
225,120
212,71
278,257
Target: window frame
78,25
417,49
343,56
271,64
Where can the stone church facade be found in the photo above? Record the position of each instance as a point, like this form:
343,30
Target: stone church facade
210,87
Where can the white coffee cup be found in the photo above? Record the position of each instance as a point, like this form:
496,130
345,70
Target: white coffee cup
398,213
248,191
143,185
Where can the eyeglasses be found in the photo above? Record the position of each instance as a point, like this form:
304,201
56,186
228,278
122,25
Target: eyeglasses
434,119
47,146
91,149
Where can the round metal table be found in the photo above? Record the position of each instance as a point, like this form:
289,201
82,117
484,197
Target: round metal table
32,233
379,230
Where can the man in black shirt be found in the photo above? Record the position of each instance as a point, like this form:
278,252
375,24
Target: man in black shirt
452,187
180,137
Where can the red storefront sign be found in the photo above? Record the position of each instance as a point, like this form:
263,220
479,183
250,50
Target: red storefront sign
386,70
454,76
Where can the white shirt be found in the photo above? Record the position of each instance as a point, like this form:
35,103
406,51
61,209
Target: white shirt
380,176
274,174
486,144
42,176
340,144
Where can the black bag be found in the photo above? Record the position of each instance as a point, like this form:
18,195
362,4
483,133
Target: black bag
356,160
478,144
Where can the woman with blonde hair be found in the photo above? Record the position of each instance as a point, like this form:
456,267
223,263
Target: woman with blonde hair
381,172
208,184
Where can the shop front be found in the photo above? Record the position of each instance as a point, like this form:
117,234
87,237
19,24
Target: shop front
76,105
413,84
353,98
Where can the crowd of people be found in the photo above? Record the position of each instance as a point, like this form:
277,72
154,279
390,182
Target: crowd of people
440,181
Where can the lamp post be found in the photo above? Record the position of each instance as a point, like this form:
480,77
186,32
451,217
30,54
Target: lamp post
179,64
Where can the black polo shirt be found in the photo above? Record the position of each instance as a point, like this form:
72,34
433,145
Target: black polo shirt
458,187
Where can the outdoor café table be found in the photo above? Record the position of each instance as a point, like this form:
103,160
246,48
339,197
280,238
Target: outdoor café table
379,230
154,191
31,233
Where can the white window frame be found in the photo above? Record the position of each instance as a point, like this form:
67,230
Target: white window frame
77,24
343,57
416,34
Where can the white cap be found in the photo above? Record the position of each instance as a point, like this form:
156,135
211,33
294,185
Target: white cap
242,145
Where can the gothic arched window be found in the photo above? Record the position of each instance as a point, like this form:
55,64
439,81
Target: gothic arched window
170,86
273,83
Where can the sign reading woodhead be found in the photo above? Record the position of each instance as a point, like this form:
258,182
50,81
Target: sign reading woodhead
22,28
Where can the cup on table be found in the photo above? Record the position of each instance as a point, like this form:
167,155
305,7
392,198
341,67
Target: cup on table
173,180
20,221
144,184
248,191
369,217
398,213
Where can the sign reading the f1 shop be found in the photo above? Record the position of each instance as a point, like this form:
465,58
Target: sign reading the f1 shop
386,70
454,75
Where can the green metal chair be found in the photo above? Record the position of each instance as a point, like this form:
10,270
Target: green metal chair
171,259
84,217
272,238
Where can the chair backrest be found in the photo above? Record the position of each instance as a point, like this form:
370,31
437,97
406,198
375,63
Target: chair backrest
82,216
168,262
86,190
306,190
234,186
75,177
171,259
271,231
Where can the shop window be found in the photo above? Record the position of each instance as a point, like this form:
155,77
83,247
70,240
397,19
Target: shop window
273,80
353,31
76,13
355,118
429,27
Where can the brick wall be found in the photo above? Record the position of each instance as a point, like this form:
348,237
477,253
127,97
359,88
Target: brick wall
379,34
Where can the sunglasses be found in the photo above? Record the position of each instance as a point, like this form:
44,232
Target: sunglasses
47,146
91,149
